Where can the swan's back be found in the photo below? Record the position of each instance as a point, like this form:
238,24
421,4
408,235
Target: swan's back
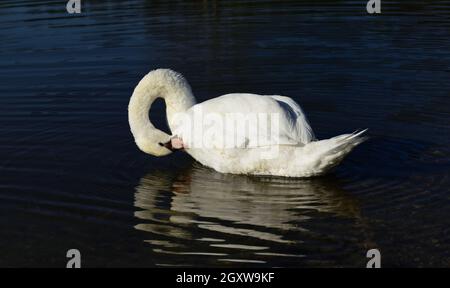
277,120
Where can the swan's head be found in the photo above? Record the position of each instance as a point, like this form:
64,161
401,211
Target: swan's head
155,142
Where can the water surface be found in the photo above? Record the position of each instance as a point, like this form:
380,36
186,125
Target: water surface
72,177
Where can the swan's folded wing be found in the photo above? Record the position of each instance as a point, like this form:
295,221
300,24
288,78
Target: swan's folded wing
301,129
244,121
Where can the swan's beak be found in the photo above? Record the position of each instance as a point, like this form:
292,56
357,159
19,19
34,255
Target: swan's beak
168,145
174,144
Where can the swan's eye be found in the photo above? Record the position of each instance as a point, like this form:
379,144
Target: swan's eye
161,144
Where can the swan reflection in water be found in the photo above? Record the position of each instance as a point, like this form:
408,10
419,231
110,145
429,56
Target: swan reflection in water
232,217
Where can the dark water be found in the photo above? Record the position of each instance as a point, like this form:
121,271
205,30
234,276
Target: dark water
72,177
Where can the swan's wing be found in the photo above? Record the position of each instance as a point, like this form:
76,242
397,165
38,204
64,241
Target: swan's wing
302,130
244,121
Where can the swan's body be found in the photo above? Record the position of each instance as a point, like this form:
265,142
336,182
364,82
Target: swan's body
281,142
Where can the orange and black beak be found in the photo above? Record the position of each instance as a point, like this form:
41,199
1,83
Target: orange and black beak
168,145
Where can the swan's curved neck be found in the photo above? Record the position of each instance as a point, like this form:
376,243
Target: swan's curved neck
161,83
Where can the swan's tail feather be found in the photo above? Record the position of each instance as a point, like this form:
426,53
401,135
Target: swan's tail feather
328,153
350,140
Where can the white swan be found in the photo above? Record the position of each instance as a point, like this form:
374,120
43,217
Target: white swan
219,134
